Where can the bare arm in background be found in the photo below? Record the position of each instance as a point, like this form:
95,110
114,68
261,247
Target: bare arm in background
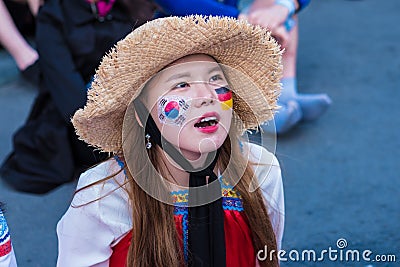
12,40
271,15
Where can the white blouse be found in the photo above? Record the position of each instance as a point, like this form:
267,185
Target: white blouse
87,232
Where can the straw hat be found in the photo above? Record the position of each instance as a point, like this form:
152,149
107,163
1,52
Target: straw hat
248,49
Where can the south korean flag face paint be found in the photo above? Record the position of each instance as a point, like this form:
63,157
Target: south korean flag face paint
172,109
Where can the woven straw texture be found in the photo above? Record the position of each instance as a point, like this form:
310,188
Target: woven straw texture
246,49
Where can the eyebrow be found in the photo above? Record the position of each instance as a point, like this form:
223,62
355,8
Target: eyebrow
178,76
187,74
216,68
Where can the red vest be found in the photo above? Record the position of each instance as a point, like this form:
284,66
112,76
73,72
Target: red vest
238,242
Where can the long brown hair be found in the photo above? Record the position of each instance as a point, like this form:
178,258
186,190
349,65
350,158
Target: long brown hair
155,239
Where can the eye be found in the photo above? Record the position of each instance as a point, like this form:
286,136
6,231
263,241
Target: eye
181,85
217,77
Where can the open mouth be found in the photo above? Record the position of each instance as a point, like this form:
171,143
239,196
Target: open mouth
206,122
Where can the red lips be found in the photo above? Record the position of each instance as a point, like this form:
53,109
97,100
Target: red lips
208,123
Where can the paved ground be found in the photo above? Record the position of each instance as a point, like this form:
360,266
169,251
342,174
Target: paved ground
341,173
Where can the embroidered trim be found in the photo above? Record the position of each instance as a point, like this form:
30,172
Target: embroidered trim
241,146
5,240
180,210
228,190
229,203
5,249
231,200
120,162
180,197
184,212
185,230
4,237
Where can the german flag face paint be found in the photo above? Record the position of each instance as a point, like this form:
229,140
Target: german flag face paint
225,97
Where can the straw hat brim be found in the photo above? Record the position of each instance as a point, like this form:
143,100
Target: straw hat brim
242,47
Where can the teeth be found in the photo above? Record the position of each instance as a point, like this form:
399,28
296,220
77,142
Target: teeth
209,119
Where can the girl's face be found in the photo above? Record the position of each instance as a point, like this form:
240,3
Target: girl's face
191,104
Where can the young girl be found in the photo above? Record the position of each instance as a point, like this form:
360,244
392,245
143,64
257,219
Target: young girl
169,102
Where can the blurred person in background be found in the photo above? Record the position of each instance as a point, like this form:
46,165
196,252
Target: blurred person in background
280,17
17,20
7,256
72,36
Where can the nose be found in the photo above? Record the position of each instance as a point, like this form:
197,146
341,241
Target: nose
204,94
